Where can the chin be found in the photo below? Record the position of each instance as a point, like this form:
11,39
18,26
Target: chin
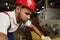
24,20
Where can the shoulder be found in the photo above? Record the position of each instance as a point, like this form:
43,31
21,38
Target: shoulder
4,18
3,15
11,13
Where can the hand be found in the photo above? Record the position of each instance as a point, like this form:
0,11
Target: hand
45,37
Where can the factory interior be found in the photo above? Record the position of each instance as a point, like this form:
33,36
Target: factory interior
46,19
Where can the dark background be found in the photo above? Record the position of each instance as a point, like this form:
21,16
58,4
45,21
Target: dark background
39,3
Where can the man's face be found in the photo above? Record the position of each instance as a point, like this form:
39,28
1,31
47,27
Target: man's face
25,14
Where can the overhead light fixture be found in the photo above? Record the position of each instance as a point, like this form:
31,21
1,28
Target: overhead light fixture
7,7
6,3
51,3
37,9
42,6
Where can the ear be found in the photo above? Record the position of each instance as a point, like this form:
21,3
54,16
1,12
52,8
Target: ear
18,9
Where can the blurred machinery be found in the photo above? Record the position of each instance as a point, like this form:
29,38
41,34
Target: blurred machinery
49,21
49,18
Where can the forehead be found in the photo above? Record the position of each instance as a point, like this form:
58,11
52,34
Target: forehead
26,10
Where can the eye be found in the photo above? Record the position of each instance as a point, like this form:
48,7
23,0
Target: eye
27,13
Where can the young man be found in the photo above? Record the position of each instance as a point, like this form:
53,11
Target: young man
14,18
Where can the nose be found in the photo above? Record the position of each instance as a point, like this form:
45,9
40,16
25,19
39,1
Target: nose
28,16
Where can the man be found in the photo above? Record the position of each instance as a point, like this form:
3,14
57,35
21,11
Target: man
14,18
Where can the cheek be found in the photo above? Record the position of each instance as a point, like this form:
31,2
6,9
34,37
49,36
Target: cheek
22,15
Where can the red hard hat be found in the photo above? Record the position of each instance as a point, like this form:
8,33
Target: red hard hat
27,3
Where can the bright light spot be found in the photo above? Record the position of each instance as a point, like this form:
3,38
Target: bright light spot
37,9
6,3
51,3
42,6
7,7
38,12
